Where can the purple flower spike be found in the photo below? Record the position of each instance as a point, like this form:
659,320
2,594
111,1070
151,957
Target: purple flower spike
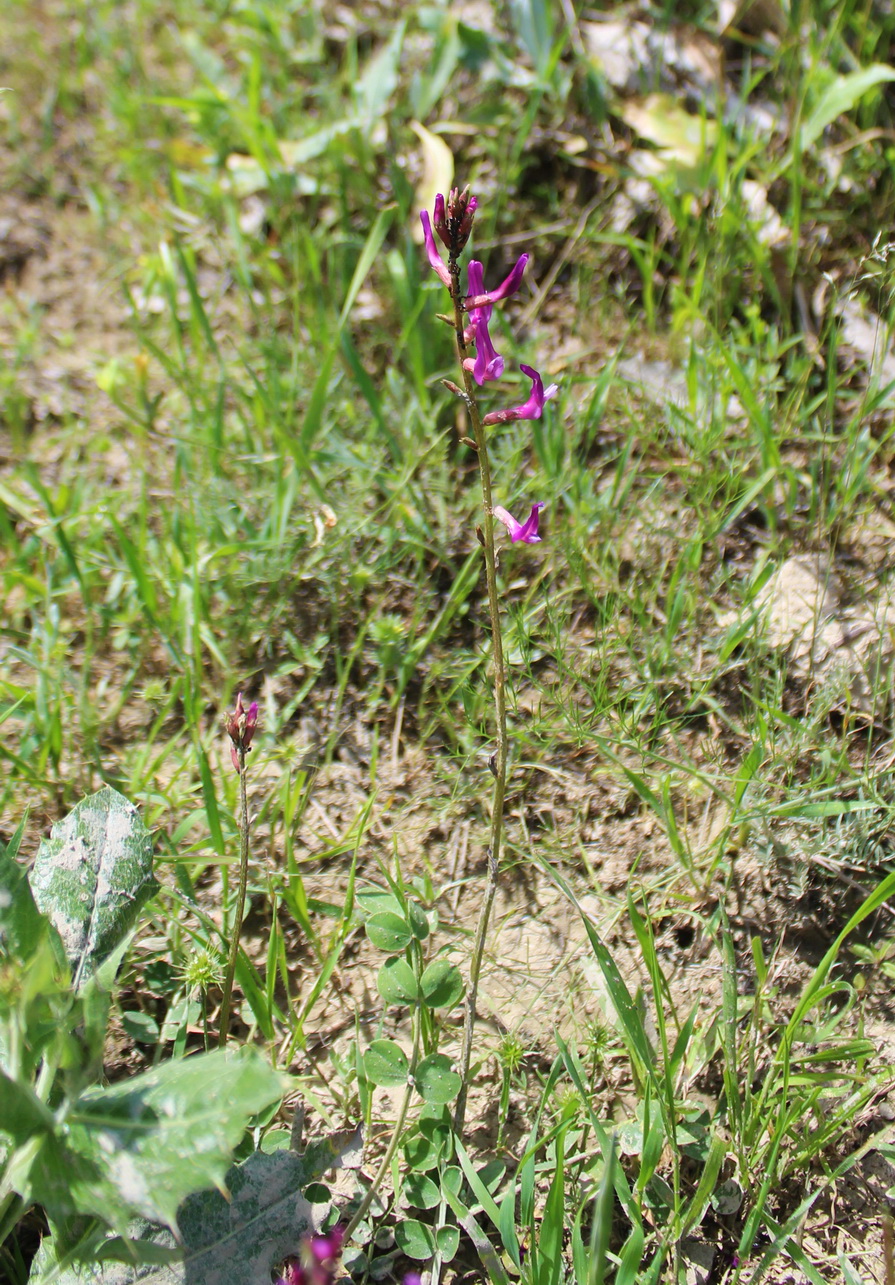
508,286
435,260
526,531
531,409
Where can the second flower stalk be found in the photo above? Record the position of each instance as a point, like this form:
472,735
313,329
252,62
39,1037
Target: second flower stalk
453,219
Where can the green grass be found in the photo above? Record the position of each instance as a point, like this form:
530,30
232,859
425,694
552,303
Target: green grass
262,489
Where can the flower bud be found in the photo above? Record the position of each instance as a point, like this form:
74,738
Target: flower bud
454,223
241,724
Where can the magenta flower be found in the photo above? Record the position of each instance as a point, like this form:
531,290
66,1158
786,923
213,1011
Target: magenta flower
435,260
241,726
531,409
526,531
475,276
488,363
508,286
327,1248
319,1262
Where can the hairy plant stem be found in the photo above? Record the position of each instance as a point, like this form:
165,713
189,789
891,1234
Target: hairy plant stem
499,759
240,897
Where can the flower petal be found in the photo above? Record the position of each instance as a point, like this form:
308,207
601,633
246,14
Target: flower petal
435,260
508,286
488,362
533,408
529,531
508,520
526,531
475,277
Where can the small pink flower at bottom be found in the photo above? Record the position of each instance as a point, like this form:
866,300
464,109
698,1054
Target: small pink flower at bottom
326,1248
319,1262
526,531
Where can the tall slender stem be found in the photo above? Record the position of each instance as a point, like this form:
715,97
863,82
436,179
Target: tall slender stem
240,897
384,1165
499,760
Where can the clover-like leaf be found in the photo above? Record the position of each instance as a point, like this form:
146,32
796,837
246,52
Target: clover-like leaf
397,982
388,932
436,1080
386,1063
415,1238
442,984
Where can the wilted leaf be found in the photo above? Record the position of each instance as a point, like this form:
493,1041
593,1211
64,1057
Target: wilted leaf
144,1145
239,1238
92,876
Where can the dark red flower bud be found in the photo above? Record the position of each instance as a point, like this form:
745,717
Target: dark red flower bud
454,223
241,724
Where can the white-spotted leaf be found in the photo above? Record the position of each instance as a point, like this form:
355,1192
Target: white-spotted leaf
92,876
